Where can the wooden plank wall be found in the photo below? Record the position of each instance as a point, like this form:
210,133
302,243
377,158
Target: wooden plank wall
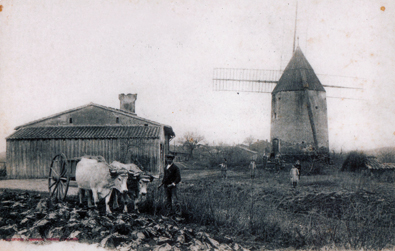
147,152
32,158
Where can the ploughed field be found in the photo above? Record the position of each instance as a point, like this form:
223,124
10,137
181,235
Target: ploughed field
33,218
334,209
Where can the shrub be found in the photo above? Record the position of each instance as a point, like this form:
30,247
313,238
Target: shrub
355,162
313,168
338,158
3,171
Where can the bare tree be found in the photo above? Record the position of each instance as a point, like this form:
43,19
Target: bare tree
221,144
249,140
191,141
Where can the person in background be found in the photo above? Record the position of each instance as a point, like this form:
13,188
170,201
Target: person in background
171,178
264,161
224,168
299,167
252,168
294,176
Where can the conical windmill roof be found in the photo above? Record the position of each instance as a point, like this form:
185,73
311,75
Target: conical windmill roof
297,75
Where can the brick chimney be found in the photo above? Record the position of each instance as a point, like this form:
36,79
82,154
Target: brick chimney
128,102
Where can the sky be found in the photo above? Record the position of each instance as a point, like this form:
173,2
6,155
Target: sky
57,55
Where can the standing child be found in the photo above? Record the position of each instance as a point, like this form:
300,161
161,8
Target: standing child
294,176
252,168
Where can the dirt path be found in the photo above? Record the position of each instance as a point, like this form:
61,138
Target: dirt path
37,185
189,172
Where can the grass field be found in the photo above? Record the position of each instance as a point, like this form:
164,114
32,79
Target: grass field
334,209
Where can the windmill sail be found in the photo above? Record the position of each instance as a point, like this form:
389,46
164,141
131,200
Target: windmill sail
245,80
264,81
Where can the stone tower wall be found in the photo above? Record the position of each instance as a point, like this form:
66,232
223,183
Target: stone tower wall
290,119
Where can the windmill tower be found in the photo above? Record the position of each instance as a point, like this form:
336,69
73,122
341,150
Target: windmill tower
299,108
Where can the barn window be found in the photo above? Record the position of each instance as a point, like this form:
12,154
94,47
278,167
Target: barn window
70,120
117,120
316,107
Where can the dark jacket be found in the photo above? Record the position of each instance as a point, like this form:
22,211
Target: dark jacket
171,175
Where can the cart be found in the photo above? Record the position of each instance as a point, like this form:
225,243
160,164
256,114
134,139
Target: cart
61,171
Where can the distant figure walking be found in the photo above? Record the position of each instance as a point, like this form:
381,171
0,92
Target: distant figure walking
294,176
252,168
224,168
264,161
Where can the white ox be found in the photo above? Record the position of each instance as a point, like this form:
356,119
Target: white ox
137,185
98,177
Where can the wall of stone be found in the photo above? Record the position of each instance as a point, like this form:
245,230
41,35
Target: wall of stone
290,119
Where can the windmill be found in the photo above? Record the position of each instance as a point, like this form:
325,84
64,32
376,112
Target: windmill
298,108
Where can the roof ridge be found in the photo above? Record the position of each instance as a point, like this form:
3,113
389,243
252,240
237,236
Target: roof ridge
134,115
53,115
130,114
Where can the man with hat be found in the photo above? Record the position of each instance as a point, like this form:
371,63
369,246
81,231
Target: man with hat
171,178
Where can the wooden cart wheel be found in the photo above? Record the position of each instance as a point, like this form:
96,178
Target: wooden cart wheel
59,177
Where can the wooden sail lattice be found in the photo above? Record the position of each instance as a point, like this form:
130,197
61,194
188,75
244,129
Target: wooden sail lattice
245,80
264,81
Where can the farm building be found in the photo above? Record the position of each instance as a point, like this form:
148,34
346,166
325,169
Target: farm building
356,163
115,134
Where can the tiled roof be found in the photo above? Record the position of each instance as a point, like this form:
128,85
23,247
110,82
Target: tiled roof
86,132
127,113
123,112
297,74
374,164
